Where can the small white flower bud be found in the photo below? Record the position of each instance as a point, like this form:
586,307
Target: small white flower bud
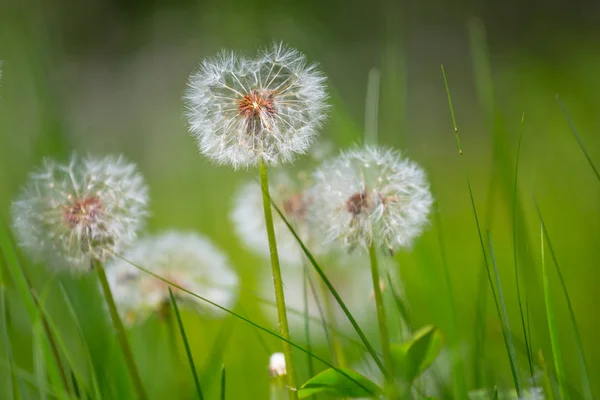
277,365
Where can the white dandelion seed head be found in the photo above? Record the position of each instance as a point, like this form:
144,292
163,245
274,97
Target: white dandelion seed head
293,199
242,111
277,365
371,195
71,213
184,258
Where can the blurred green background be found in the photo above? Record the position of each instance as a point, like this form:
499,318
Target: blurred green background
107,76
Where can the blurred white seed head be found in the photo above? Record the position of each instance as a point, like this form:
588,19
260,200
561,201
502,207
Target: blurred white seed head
186,259
371,195
293,199
277,365
68,214
244,110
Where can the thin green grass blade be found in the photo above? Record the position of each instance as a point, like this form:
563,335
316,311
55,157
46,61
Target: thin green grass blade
474,208
554,341
515,258
546,382
578,138
260,339
32,380
583,370
223,382
479,362
402,308
59,339
188,351
233,313
10,260
508,342
14,385
39,362
327,326
334,292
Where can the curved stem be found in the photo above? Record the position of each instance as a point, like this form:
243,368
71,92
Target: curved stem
278,282
120,329
381,319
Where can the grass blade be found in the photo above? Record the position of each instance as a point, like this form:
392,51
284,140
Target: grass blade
585,377
14,385
510,347
474,208
39,362
514,235
238,316
188,351
577,137
334,292
556,352
222,383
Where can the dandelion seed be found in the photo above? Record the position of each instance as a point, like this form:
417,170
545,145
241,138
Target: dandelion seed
242,111
87,209
371,195
186,259
277,365
294,200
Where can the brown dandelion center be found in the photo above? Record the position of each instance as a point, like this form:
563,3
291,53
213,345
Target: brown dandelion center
366,202
255,104
295,206
357,203
86,211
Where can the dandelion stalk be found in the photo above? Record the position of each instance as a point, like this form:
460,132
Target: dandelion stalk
381,319
120,329
277,280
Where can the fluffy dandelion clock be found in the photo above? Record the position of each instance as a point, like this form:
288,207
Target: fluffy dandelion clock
186,259
293,199
69,214
243,111
371,195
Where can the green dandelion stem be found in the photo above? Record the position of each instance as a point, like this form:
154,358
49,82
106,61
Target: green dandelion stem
277,280
120,329
381,319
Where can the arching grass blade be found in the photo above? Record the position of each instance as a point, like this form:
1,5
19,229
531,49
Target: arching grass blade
188,351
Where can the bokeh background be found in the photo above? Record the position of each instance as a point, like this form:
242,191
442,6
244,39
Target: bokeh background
107,76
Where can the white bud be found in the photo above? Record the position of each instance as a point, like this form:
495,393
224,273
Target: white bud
277,365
